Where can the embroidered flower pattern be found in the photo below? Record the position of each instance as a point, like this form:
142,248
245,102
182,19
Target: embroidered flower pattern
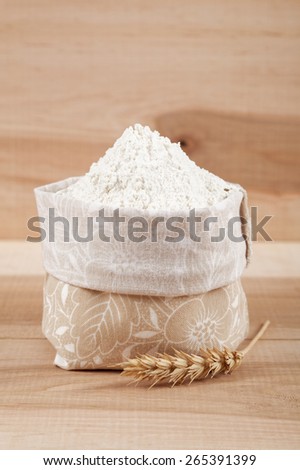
95,330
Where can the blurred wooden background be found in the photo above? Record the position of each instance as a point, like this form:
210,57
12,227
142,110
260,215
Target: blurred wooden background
221,77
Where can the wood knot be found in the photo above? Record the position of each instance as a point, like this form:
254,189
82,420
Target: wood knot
187,143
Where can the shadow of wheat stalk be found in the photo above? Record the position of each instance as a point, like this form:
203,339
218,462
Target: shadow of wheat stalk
182,367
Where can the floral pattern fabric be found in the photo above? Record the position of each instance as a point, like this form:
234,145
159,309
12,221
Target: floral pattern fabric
96,330
148,268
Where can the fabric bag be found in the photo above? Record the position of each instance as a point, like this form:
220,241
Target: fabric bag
106,301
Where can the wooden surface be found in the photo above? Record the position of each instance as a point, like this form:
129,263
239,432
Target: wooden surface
222,77
44,407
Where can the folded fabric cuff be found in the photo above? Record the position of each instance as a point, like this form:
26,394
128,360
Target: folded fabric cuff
161,268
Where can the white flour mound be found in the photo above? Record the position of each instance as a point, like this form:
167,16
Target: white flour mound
144,170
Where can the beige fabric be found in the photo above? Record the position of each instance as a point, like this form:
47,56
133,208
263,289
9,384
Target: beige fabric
95,330
147,268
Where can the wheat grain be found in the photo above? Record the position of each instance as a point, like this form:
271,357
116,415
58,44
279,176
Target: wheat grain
182,367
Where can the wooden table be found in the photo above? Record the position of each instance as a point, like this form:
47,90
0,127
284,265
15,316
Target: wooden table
43,407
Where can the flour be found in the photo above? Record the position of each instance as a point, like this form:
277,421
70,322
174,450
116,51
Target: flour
144,170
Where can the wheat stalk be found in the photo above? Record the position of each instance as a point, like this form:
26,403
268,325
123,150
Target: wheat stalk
182,367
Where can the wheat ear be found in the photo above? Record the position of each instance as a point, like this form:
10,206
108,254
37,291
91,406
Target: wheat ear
182,367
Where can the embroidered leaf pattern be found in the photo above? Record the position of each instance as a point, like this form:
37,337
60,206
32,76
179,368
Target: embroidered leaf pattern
94,330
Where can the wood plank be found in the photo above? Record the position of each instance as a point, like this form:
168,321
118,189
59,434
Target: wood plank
20,258
37,429
284,224
274,260
263,414
47,160
208,73
21,306
259,152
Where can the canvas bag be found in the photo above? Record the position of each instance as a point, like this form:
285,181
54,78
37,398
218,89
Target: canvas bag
106,302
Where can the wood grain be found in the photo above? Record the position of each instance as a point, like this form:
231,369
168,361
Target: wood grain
252,150
49,408
43,407
222,77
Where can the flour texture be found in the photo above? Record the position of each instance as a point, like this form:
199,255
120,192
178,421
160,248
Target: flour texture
145,170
